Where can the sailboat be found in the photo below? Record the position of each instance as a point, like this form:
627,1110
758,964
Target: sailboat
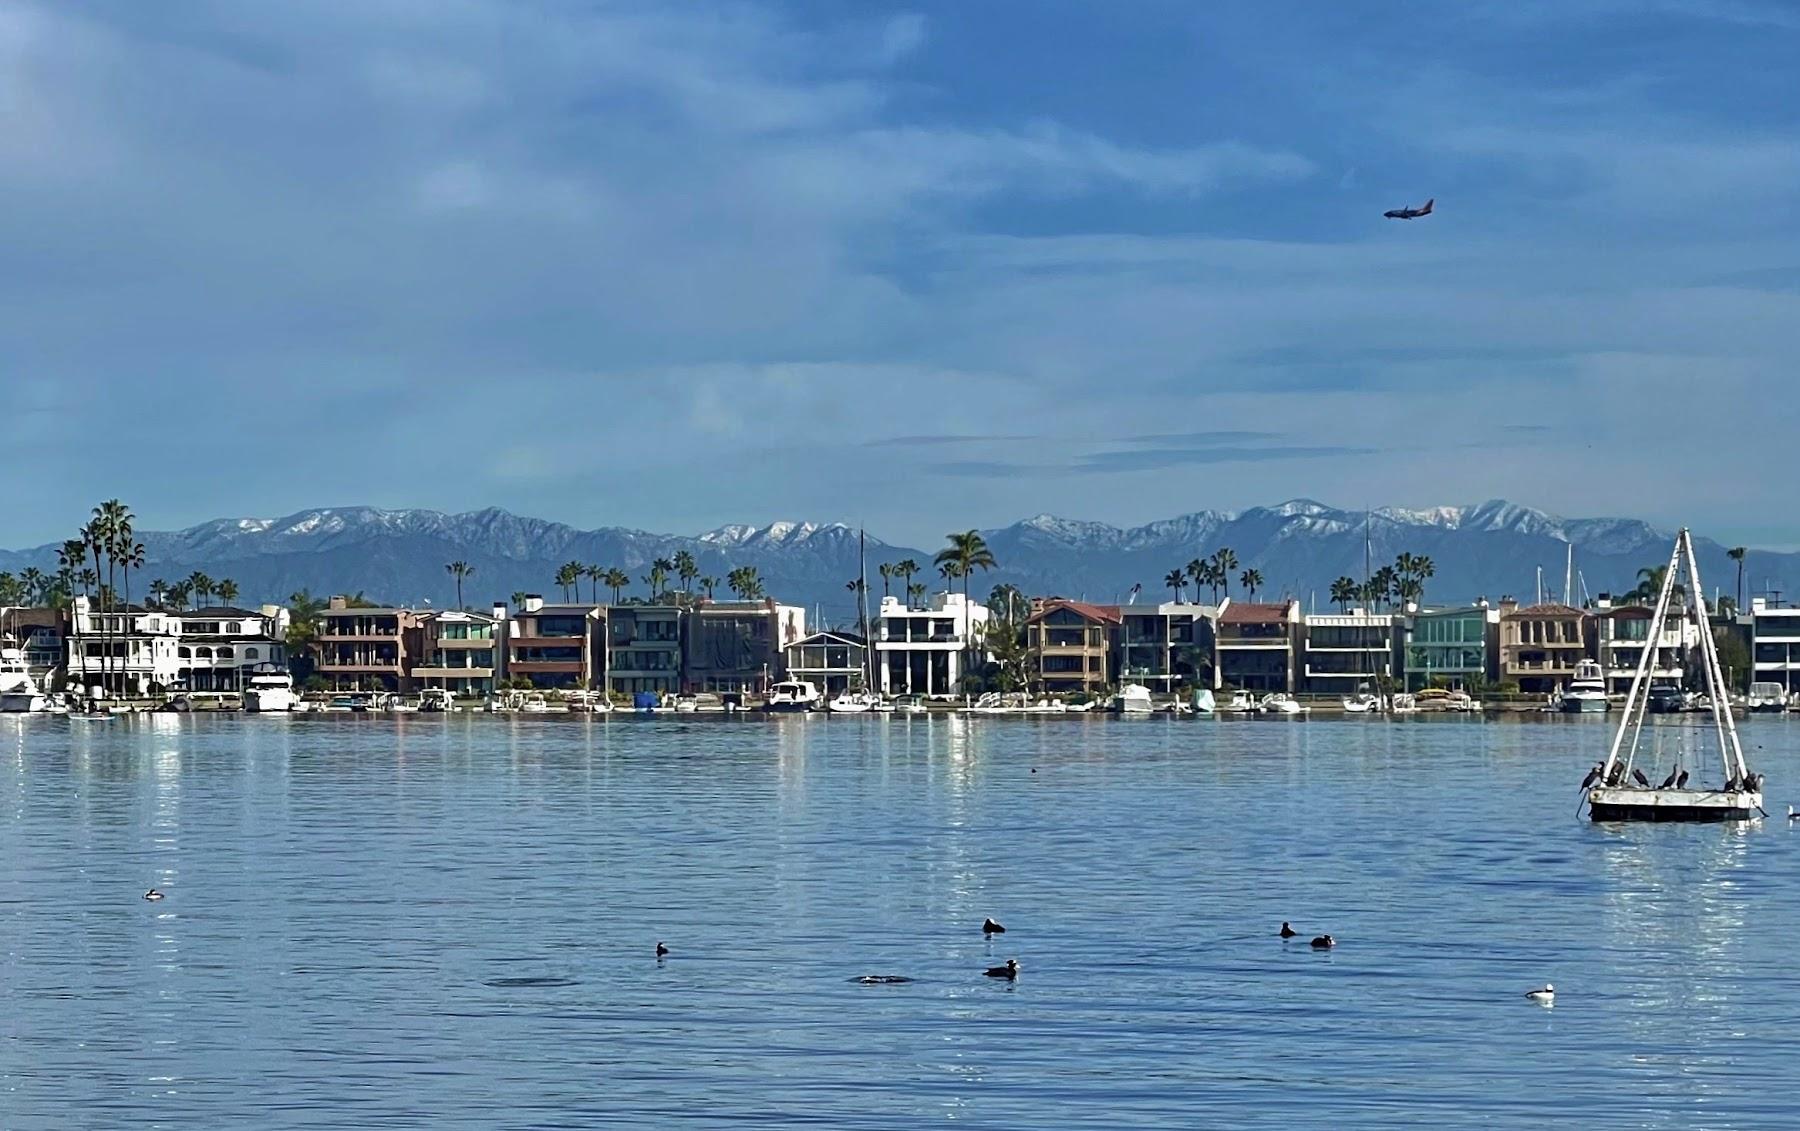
1619,792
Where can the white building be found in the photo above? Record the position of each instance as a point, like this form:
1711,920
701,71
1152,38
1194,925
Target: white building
127,651
1342,651
1623,633
923,651
1774,644
220,646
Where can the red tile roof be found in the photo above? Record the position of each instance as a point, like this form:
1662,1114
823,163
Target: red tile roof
1549,610
1108,613
1255,612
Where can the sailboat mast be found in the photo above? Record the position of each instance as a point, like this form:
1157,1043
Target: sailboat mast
1731,752
862,597
1569,577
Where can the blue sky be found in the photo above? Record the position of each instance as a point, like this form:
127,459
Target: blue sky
922,266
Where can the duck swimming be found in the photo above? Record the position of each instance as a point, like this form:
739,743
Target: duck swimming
1324,942
153,895
662,951
989,927
1009,971
1545,995
1287,932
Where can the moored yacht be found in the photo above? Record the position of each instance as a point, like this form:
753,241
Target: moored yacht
18,691
270,690
1586,691
1766,698
1132,699
792,696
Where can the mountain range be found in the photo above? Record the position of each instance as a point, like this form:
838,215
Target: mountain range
1491,549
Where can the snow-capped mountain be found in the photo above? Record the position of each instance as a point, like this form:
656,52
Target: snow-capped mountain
1491,548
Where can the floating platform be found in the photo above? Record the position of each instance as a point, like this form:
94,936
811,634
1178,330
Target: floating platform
1617,803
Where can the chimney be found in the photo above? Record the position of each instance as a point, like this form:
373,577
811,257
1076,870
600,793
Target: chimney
339,602
1508,605
1481,602
533,602
499,612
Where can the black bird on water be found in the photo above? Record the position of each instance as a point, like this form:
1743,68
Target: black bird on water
1287,932
1670,780
1010,971
153,895
1681,780
1324,942
662,951
1637,775
989,927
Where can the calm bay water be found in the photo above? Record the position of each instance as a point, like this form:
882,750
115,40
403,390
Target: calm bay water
449,922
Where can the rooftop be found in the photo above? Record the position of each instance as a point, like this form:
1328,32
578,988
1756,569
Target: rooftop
1256,612
1549,610
1108,613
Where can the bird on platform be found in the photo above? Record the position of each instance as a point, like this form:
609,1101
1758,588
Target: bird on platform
662,950
153,895
989,927
1670,780
1324,942
1545,995
1288,932
1010,971
1681,781
1637,775
1592,776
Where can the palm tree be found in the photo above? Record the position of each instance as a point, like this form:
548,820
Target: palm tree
659,573
915,594
201,586
1736,554
596,574
133,558
886,570
1252,580
709,584
1224,561
1423,570
518,600
12,591
1343,591
745,582
177,596
1200,572
227,591
36,584
968,551
686,569
1176,579
905,569
1382,585
1005,599
459,569
617,579
569,574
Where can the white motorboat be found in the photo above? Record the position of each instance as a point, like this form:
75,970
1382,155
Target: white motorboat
1240,703
1280,703
437,701
792,696
1403,703
852,703
1766,698
588,702
1364,702
19,693
1618,789
270,691
686,704
1586,692
909,704
1203,702
534,704
1132,699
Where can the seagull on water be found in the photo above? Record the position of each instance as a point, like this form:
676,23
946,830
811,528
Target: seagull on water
1545,995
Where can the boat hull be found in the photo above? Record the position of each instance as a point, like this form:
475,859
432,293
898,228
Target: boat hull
1619,804
1583,706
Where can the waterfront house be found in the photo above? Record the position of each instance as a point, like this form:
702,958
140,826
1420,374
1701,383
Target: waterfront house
737,646
1774,643
367,648
1341,652
1540,645
556,646
129,650
1071,645
222,644
830,661
461,651
1253,645
1165,645
1621,634
643,651
923,651
1455,648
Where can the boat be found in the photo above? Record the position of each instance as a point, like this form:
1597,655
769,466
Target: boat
1240,703
852,703
588,702
1132,699
1617,789
909,704
791,696
534,703
19,693
270,691
437,701
345,704
1202,702
686,704
1403,703
1279,703
1364,702
1586,692
1766,699
1666,699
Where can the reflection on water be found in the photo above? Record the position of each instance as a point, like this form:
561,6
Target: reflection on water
450,922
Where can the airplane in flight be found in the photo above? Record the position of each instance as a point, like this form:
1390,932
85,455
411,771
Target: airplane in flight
1410,213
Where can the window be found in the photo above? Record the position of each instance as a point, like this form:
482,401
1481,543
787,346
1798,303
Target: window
184,652
226,653
250,654
233,628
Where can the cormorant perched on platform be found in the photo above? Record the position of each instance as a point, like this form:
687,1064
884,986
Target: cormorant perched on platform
1288,932
1009,971
989,927
1670,780
1593,776
1681,781
1637,775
